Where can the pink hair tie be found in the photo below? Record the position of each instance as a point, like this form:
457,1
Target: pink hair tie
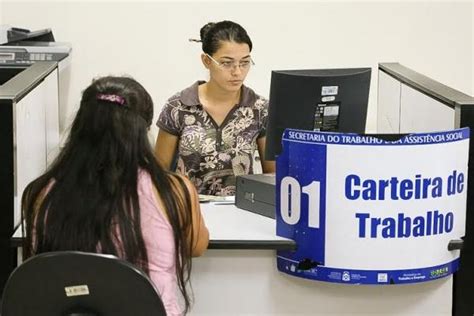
111,98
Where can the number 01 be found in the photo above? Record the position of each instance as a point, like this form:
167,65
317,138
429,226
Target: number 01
290,201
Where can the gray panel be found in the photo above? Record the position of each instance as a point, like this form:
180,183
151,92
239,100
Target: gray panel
421,113
388,104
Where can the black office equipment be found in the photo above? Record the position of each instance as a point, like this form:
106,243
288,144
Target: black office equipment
21,47
308,99
16,34
77,283
317,99
256,193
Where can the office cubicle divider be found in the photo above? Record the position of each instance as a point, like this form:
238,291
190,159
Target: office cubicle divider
411,102
29,139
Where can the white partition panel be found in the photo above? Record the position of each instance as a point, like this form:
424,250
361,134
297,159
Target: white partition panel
51,102
388,110
421,104
421,113
403,109
36,134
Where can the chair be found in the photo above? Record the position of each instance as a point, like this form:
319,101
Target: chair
71,283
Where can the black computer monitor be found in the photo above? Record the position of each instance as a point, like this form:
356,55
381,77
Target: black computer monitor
316,99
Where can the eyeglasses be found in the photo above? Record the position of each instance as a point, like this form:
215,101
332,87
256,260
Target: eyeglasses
231,65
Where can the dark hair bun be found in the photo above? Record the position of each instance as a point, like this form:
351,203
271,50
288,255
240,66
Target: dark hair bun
205,30
214,34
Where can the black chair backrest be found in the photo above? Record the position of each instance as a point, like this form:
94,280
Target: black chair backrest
71,283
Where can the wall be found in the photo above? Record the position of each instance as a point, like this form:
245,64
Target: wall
1,13
149,40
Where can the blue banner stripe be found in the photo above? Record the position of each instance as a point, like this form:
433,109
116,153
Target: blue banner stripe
379,277
301,136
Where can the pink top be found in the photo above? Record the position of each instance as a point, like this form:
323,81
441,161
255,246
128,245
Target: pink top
159,243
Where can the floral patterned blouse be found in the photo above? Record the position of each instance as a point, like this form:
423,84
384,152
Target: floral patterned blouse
211,156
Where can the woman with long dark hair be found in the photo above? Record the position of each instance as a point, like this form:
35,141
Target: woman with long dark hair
106,193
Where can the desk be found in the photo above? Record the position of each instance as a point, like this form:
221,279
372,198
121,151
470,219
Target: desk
238,276
229,228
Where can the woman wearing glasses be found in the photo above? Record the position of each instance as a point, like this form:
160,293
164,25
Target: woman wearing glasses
215,127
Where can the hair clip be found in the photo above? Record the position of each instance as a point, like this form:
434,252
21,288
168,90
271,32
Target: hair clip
111,98
195,40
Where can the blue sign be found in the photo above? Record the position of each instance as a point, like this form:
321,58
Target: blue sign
363,210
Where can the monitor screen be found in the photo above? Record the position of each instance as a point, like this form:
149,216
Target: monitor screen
316,100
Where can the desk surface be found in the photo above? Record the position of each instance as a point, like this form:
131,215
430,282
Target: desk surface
231,228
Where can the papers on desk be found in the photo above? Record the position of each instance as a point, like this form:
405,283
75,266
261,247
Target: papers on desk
216,199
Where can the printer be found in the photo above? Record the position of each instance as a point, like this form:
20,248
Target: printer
23,47
20,48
